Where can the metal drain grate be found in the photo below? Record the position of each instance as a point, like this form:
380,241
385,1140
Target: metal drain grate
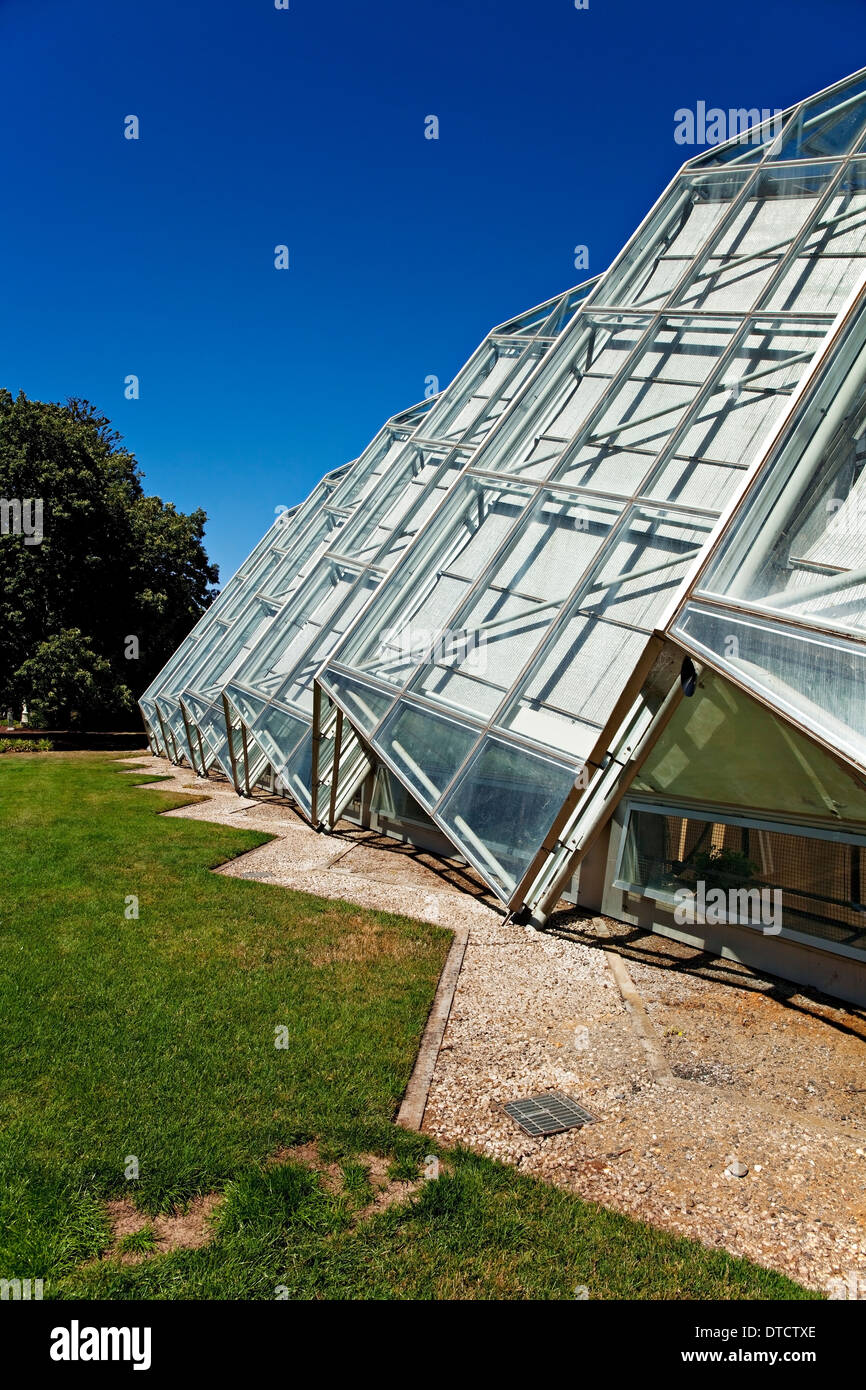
548,1114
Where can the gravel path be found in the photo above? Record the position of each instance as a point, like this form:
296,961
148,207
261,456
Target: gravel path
759,1072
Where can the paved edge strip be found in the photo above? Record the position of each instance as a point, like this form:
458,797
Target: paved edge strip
634,1006
414,1102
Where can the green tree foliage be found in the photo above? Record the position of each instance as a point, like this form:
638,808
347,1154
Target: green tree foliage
112,564
65,678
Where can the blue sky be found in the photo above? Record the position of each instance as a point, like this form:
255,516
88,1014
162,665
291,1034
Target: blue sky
305,127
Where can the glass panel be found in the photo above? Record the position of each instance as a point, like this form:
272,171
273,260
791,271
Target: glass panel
830,261
753,133
196,659
574,685
365,475
201,742
173,719
392,802
467,413
297,772
655,261
757,382
248,705
828,125
741,874
750,247
364,705
365,534
258,763
298,625
277,732
210,719
693,482
815,566
819,681
395,633
502,807
643,565
425,749
794,554
564,397
640,415
798,546
227,654
475,663
726,747
411,515
297,692
550,316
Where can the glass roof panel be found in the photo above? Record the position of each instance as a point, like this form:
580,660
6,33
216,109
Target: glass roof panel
484,645
248,705
750,247
296,773
209,720
574,685
391,638
277,733
696,206
831,258
171,717
754,135
830,124
786,585
572,382
814,679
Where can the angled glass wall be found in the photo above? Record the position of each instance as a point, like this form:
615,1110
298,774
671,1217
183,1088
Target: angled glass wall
287,534
479,600
269,694
159,702
484,671
273,581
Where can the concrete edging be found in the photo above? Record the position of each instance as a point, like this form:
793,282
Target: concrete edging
636,1010
414,1102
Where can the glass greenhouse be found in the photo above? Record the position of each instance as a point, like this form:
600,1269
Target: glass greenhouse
592,618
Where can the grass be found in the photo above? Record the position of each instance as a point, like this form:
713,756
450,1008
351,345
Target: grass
141,1242
147,1044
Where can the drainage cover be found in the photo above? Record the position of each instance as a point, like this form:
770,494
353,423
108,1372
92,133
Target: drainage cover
548,1114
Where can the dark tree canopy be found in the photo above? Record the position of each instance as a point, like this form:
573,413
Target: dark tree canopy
112,564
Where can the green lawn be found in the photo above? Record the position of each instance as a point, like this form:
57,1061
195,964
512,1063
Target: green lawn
154,1039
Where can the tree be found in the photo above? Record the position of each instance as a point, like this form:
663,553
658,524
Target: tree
65,677
113,564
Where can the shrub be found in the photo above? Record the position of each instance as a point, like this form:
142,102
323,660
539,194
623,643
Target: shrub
26,745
